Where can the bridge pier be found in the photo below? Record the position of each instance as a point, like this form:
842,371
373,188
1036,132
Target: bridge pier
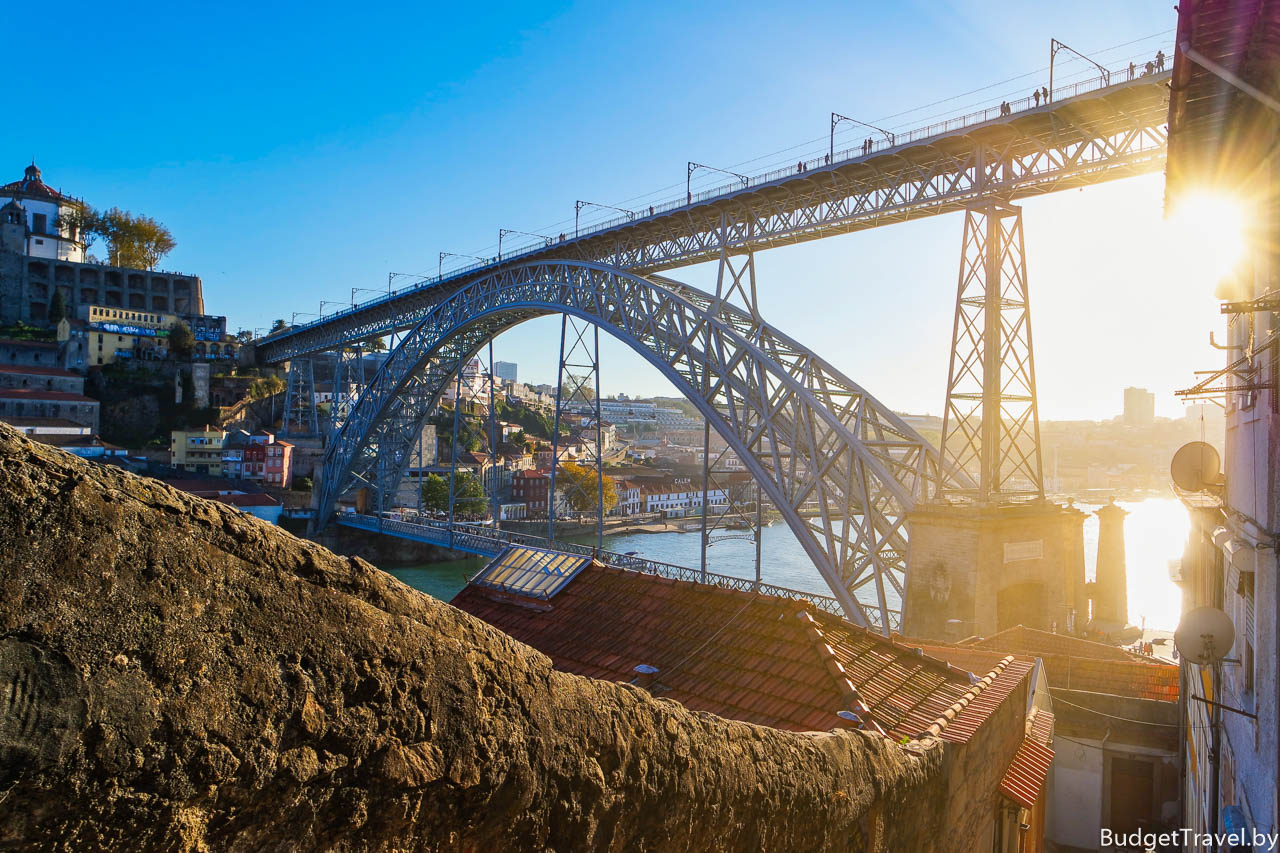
348,381
735,284
989,552
300,416
579,350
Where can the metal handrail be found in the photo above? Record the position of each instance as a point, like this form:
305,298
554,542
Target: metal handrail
479,535
900,140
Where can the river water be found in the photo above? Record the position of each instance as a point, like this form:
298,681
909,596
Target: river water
1155,532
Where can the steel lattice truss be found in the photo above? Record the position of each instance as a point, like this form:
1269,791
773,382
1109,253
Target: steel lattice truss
300,415
1112,133
841,467
348,380
991,425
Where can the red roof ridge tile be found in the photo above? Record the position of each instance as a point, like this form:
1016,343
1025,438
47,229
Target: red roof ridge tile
960,704
1039,726
843,683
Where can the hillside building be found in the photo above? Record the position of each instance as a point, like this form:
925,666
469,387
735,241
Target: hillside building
39,255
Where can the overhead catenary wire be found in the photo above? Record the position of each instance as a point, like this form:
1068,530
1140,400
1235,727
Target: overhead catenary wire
814,145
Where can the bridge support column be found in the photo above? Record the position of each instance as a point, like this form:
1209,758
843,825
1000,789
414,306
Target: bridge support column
300,416
733,519
348,381
992,553
577,385
991,423
494,479
453,447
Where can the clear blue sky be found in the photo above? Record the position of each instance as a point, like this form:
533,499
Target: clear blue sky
299,150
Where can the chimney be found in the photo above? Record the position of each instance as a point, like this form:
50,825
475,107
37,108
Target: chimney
645,676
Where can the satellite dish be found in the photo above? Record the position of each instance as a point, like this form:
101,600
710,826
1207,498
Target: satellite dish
1196,467
1205,635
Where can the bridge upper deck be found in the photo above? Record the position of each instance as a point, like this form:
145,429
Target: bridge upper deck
1087,133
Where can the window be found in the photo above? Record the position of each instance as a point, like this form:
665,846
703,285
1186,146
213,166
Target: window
40,225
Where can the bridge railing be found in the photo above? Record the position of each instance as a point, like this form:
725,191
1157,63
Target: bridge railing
1117,77
479,537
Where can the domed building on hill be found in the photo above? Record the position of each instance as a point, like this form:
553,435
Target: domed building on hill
44,211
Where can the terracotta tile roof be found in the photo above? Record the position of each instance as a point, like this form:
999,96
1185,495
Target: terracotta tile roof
31,186
1032,641
750,657
18,421
977,661
37,371
983,700
1103,669
1023,781
37,394
1120,678
1040,726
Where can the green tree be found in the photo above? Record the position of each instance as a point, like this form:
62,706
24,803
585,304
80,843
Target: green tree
266,387
580,489
134,240
374,344
57,308
81,223
278,325
181,339
468,495
244,336
435,493
302,484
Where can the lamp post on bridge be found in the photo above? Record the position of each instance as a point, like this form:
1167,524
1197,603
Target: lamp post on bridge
1055,46
502,232
836,118
693,167
443,255
324,302
578,205
293,321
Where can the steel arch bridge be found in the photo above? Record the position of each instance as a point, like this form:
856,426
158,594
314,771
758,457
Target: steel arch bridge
841,467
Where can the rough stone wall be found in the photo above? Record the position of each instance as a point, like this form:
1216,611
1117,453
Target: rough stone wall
12,281
973,771
179,676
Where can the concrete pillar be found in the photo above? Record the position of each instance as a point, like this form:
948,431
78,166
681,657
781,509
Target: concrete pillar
1111,595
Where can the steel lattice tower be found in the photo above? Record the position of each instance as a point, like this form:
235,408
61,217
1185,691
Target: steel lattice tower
578,379
348,382
991,425
300,415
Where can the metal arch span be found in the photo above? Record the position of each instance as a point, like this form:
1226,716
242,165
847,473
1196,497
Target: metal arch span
840,466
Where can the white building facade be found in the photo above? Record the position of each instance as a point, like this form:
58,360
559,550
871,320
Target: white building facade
45,211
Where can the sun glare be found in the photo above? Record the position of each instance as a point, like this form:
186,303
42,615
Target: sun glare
1206,232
